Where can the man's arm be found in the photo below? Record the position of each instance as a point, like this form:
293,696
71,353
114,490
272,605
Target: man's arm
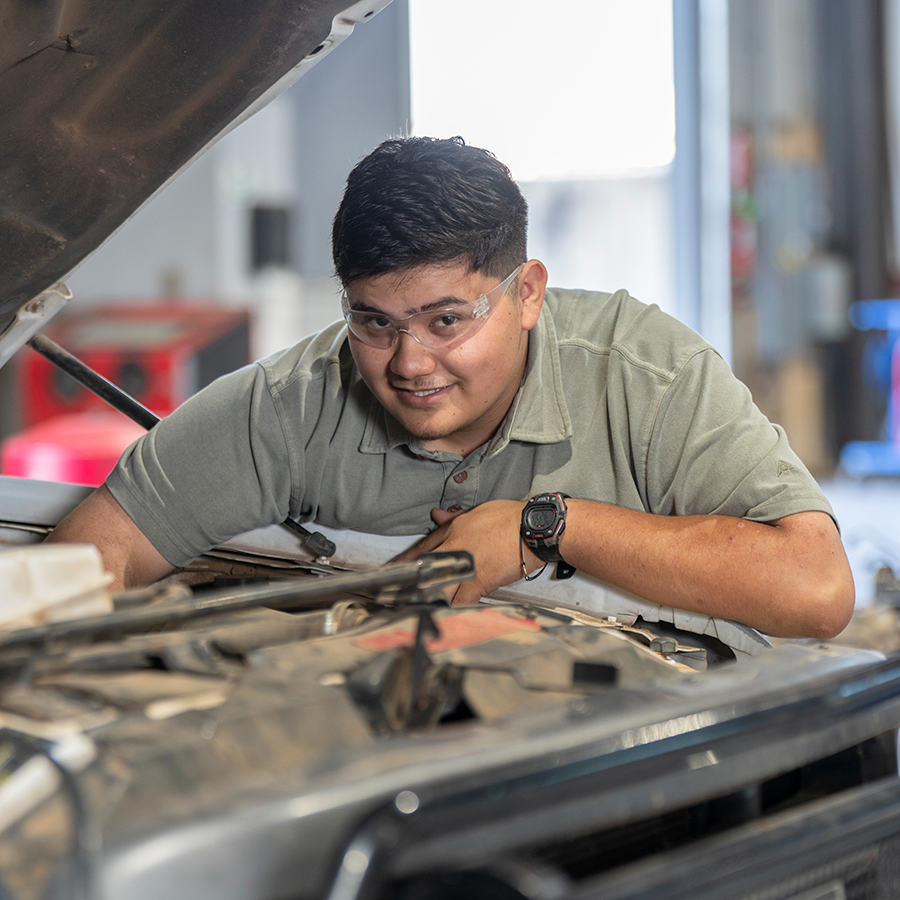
788,578
126,552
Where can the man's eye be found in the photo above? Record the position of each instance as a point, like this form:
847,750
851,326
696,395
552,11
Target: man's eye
376,323
447,320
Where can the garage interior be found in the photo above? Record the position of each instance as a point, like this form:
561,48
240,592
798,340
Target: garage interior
301,766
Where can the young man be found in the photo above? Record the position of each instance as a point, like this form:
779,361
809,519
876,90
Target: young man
460,387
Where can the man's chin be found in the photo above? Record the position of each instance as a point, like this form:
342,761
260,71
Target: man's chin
429,426
429,434
426,432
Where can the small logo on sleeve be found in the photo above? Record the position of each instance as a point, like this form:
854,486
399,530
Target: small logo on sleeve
784,467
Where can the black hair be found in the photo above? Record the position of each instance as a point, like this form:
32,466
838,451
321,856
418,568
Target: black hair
418,201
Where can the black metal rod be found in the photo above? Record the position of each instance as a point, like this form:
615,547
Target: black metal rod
93,381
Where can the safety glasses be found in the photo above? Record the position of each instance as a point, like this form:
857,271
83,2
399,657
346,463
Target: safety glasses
435,328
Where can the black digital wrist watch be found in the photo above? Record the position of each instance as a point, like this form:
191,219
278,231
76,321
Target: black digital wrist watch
543,524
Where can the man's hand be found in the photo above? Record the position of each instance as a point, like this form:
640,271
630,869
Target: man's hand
490,532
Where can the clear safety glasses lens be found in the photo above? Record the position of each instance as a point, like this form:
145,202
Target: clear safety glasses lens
435,328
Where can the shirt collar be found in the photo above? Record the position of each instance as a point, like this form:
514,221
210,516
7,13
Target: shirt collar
538,415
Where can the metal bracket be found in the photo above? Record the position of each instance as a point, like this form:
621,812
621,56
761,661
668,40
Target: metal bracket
31,318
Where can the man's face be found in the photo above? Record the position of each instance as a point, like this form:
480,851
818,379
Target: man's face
451,399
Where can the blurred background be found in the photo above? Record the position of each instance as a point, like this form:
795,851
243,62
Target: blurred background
734,161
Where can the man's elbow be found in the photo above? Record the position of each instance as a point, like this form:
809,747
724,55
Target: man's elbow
816,595
830,603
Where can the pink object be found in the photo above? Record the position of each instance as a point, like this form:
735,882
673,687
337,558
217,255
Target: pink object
80,448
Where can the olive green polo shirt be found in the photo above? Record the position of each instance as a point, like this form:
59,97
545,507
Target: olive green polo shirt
619,403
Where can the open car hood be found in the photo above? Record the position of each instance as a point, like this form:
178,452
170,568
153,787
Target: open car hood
104,102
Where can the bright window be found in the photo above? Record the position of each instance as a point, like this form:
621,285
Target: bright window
573,89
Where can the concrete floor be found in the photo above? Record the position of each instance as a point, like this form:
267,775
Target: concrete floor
868,512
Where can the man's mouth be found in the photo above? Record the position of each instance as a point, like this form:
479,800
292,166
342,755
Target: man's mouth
421,393
425,393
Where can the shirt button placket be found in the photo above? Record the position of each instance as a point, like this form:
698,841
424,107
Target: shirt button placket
458,492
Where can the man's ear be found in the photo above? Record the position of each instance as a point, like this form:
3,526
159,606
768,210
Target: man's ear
532,284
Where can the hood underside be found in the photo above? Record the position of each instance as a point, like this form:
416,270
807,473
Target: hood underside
103,102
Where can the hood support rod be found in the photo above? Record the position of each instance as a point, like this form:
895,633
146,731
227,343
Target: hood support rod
93,381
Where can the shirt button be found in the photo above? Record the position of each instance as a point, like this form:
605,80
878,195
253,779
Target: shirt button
460,477
454,508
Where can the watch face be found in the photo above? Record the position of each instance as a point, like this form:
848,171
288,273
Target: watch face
541,517
543,522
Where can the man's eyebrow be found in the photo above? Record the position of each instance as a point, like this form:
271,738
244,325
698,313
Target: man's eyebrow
441,303
364,307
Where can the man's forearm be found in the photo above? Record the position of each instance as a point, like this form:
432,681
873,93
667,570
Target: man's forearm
788,578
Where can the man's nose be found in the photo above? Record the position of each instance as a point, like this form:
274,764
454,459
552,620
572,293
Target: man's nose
410,359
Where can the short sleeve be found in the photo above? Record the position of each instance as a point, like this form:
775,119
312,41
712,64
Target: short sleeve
712,451
217,466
